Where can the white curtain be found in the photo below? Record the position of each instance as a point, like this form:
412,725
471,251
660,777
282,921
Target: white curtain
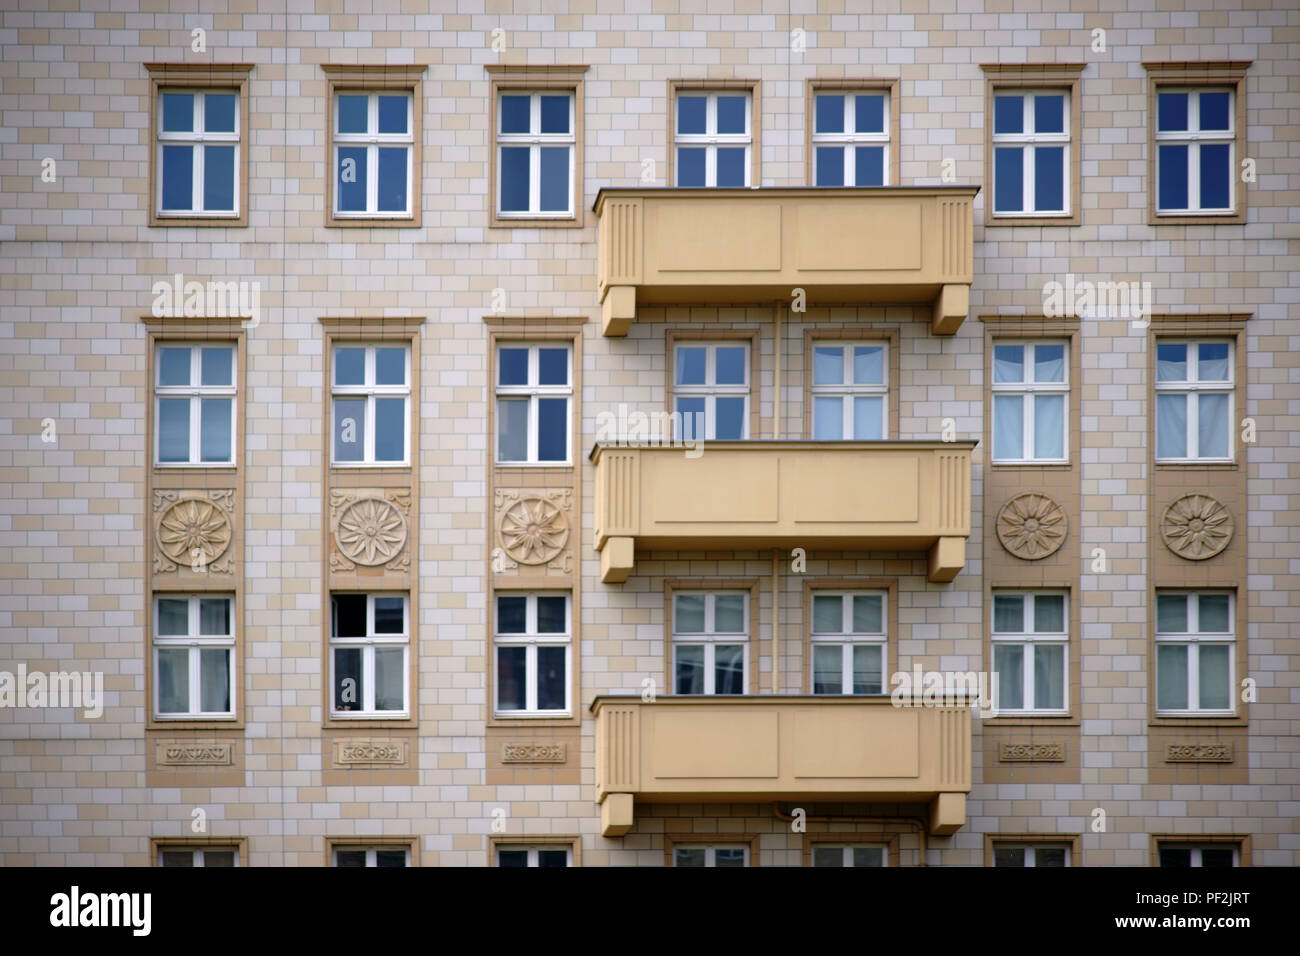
1171,426
1049,426
1008,426
1213,426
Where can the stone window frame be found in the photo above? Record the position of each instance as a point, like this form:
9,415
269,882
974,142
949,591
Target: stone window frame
193,642
704,336
237,843
851,335
1071,841
748,840
532,391
1197,639
846,85
1189,387
408,842
567,640
536,841
752,642
1241,842
1033,639
844,585
196,392
1028,390
888,840
373,641
753,87
370,393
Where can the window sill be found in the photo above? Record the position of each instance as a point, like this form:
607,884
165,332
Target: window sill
1197,219
1033,720
1020,219
535,222
196,465
1032,464
1217,464
360,723
362,222
1190,721
163,222
168,724
537,721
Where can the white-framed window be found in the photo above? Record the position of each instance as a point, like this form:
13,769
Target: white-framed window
1031,392
1195,633
1031,153
850,138
850,391
374,150
194,404
1030,642
357,856
710,642
710,854
552,855
1216,855
198,152
371,394
1195,142
713,138
369,654
850,854
220,856
534,392
1194,399
849,642
194,656
533,635
711,385
1030,854
536,142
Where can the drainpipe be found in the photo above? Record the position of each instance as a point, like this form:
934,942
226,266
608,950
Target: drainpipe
778,408
776,619
778,411
914,822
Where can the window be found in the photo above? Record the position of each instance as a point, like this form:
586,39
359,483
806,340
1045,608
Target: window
850,391
536,144
710,642
712,139
848,643
1031,145
372,856
1195,146
369,655
534,392
197,856
1015,854
1217,855
371,395
194,656
532,654
1030,638
1193,401
1194,649
1031,390
850,140
555,856
711,385
374,154
857,854
194,404
711,855
198,152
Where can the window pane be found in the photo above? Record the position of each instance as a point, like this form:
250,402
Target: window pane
515,113
216,366
349,429
174,429
828,419
690,166
1171,676
869,166
1216,176
1049,178
730,425
1171,111
685,857
1008,176
1049,113
731,114
553,366
350,858
1008,426
178,177
830,165
1009,665
552,858
1216,857
828,669
352,179
1171,613
689,669
868,419
1049,676
691,364
1049,426
1008,856
1171,362
173,680
349,615
828,614
348,691
1008,363
869,113
1212,362
555,179
218,178
731,166
173,616
1008,114
392,114
1171,426
729,614
352,113
868,365
1175,857
389,615
1008,613
828,365
830,113
512,858
512,429
214,680
1213,613
1214,111
178,112
512,614
828,856
555,113
688,614
390,366
178,858
691,411
551,677
1212,426
550,614
390,858
691,113
868,614
1172,173
1049,613
390,429
728,669
867,676
174,367
392,179
729,857
215,434
349,366
1049,856
514,178
1215,689
552,429
219,858
512,367
1049,363
214,616
390,678
511,678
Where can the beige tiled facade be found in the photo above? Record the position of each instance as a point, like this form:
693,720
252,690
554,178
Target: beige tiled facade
81,250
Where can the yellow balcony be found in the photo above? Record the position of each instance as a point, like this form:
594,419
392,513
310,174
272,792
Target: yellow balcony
878,495
779,748
879,244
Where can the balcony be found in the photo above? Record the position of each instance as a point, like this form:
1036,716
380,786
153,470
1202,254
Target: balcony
877,244
779,748
878,495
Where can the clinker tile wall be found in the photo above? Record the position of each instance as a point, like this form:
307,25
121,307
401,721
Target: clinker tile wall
78,260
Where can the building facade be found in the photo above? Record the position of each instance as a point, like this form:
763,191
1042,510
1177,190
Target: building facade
482,433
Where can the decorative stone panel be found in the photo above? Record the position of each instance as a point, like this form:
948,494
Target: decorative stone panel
193,753
533,528
370,529
1219,751
1044,752
533,753
193,529
1032,526
1196,527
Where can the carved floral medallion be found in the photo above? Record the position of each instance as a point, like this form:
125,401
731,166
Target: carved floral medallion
1032,526
370,529
1196,527
534,529
192,531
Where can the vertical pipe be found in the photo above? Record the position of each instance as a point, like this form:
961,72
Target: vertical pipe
778,407
776,620
778,411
